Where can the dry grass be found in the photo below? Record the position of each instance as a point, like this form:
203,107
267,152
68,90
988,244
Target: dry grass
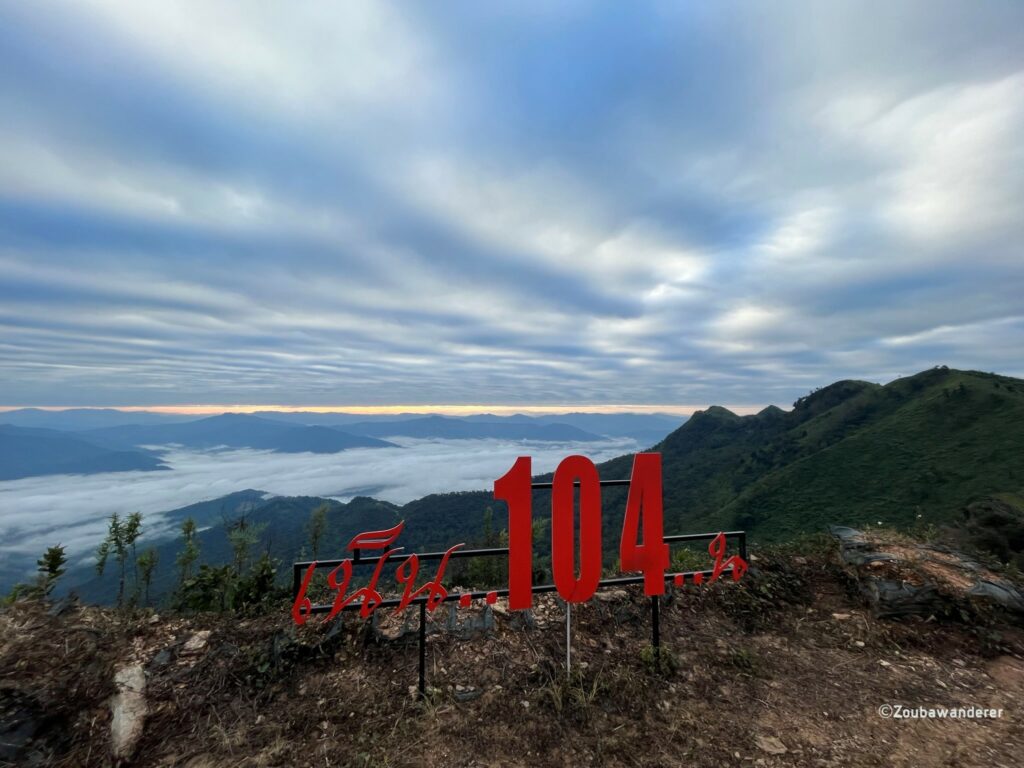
751,660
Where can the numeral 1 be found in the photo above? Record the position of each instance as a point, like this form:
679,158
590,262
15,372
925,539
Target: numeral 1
514,489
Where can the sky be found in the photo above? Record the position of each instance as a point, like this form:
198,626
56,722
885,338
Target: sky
519,203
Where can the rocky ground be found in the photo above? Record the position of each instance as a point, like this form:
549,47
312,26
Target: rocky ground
789,667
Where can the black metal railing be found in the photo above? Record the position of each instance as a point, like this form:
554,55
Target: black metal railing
299,568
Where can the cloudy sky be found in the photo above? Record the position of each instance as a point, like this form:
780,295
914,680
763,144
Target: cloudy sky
526,203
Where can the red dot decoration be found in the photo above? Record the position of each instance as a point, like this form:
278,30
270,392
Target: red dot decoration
465,600
698,578
492,598
679,580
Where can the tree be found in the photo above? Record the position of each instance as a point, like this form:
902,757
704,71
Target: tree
243,536
189,553
147,564
120,541
132,529
488,571
257,588
51,567
317,527
211,589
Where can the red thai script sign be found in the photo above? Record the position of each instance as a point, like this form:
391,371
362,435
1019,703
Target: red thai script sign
642,548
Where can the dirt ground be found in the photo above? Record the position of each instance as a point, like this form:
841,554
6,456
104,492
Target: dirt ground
785,668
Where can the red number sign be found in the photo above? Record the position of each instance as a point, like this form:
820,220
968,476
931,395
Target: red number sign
643,505
642,547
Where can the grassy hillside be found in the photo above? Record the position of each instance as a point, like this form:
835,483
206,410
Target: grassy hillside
853,452
923,446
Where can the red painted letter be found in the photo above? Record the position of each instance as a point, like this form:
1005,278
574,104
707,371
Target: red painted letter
302,606
514,488
645,500
563,535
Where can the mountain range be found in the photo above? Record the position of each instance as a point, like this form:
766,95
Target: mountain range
234,430
29,452
37,442
36,451
645,428
917,450
447,428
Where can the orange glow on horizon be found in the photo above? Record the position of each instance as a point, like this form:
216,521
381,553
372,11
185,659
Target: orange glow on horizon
377,410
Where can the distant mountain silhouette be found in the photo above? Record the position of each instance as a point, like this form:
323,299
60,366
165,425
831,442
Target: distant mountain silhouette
443,427
28,452
332,418
235,430
646,428
76,419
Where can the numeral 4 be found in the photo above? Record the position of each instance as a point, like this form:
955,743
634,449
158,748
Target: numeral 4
645,502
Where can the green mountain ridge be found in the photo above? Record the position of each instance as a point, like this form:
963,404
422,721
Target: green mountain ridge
926,446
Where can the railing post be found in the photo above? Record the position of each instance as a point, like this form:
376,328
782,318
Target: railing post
568,639
656,627
423,650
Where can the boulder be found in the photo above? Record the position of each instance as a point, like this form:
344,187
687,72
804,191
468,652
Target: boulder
901,579
128,711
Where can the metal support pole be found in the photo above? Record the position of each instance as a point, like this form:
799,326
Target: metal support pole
656,626
568,639
423,650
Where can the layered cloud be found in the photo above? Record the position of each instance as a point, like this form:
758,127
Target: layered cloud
514,203
40,512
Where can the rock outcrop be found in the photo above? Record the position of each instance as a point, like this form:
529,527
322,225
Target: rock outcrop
901,579
128,711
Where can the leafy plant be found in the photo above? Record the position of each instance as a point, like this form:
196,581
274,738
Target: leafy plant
211,589
146,563
189,552
257,589
51,568
317,528
243,536
660,660
120,542
573,695
488,571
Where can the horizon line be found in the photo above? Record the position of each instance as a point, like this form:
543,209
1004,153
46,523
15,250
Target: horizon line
381,410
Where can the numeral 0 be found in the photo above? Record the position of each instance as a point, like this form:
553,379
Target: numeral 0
644,504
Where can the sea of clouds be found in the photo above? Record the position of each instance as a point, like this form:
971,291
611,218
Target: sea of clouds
72,510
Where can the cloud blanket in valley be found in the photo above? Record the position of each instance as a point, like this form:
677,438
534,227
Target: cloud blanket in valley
72,509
